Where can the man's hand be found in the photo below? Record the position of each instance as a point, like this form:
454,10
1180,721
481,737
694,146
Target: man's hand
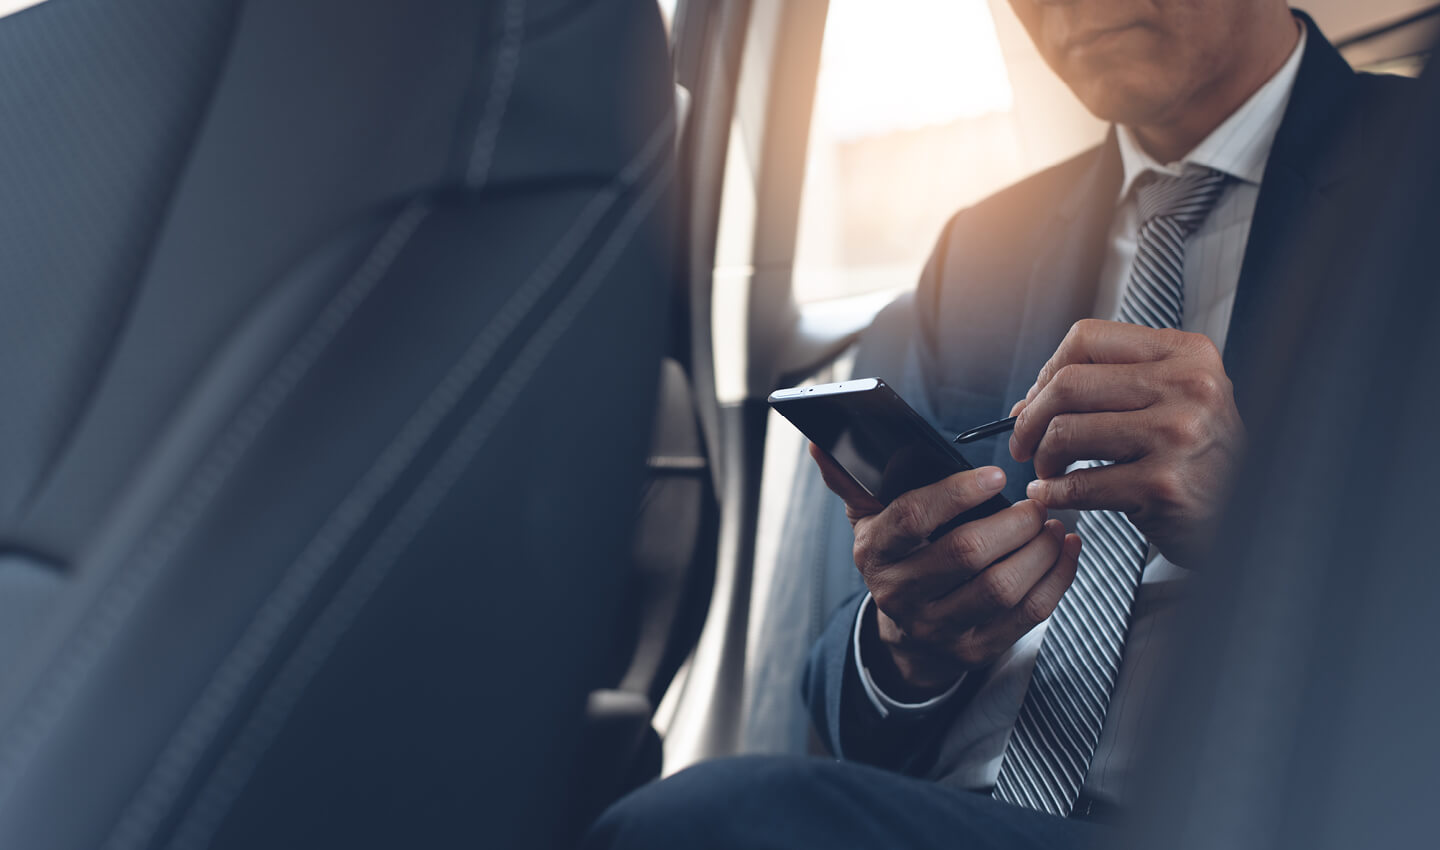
956,603
1156,402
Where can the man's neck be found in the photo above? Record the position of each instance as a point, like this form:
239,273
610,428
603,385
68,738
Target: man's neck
1169,141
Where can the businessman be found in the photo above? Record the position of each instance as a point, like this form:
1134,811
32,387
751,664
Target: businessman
1001,674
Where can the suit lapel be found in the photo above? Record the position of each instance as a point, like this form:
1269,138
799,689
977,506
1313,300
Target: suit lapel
1307,160
1063,280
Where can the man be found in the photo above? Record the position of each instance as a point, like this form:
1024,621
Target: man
1100,294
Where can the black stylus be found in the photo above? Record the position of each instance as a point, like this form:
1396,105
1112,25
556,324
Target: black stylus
986,431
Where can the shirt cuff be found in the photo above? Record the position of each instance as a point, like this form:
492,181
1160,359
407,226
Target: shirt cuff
882,703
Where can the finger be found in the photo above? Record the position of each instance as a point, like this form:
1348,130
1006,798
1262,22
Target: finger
909,520
857,502
1037,605
1119,487
1017,407
1096,341
1083,388
1005,583
1070,437
963,553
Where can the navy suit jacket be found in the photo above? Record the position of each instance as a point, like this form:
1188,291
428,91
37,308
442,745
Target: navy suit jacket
1009,277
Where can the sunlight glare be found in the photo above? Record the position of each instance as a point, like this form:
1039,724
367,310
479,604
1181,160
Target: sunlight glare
904,64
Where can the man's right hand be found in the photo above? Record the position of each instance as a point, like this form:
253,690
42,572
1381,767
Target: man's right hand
955,604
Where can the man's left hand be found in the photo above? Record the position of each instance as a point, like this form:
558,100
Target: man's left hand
1156,402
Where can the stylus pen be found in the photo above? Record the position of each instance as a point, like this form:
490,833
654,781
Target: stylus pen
987,430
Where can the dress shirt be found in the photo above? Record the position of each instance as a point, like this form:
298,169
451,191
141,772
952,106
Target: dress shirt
975,745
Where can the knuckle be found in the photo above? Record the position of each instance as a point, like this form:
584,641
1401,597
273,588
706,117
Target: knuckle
889,598
1066,385
1071,488
1061,433
1180,430
1204,346
1194,431
1037,607
867,553
1178,339
962,490
1203,386
1066,375
1035,515
1022,420
1167,488
1046,373
970,652
1001,589
908,517
923,632
965,547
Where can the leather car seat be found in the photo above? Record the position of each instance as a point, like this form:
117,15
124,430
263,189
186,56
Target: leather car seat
329,332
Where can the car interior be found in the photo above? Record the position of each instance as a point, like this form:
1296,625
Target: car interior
384,451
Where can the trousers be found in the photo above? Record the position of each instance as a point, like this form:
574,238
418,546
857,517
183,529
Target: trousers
796,803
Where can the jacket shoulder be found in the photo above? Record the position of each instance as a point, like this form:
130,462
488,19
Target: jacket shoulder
1394,85
1386,91
1028,202
1381,107
1002,225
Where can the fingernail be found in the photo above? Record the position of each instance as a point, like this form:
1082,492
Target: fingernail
1034,489
1057,528
992,478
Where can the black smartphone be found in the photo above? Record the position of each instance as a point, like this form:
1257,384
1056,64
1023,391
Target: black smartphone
884,445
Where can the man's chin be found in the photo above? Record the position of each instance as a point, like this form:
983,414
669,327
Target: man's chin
1130,102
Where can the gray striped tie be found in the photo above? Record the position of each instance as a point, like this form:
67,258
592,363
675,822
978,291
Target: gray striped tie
1060,720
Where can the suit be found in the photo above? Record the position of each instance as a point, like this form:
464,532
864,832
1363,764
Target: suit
1012,274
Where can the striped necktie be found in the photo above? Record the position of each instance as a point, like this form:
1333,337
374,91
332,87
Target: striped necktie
1054,738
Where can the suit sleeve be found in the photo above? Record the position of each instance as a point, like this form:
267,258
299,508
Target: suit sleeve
848,721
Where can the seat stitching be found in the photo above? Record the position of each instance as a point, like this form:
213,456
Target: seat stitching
74,660
176,760
142,267
37,712
236,765
502,83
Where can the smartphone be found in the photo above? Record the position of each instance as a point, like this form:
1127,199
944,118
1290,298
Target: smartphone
878,439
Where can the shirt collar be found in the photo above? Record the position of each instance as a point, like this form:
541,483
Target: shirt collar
1239,147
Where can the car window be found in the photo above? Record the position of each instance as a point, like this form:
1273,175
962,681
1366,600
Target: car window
667,9
921,108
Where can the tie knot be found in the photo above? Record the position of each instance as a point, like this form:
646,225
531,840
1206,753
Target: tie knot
1185,199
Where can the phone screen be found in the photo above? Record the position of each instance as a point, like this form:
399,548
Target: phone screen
876,437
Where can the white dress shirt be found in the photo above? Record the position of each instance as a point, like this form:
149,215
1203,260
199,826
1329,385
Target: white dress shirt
975,745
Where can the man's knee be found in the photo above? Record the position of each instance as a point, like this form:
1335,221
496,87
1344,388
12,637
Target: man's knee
704,806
